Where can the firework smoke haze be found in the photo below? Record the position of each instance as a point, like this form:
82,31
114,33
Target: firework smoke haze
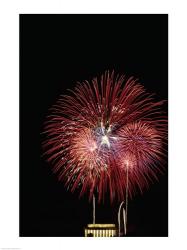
101,129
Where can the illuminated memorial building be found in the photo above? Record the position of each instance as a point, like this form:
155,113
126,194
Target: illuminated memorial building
100,230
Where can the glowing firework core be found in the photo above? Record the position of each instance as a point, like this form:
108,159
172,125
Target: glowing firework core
93,147
105,140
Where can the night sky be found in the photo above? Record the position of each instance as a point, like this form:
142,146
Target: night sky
56,51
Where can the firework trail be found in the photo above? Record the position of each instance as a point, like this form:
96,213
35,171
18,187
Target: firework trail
101,131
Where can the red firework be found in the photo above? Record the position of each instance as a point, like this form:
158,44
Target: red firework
103,132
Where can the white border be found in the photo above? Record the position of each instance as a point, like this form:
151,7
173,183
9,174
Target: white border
9,82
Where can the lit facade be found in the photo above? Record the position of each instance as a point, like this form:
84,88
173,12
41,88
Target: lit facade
100,230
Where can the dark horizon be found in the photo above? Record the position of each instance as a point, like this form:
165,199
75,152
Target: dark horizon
56,51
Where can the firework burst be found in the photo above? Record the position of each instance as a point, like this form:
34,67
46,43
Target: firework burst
101,131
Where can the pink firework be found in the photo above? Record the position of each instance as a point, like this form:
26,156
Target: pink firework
104,131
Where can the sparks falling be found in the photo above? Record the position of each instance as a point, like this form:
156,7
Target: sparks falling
101,130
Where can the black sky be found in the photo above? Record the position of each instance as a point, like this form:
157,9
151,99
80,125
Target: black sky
56,51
